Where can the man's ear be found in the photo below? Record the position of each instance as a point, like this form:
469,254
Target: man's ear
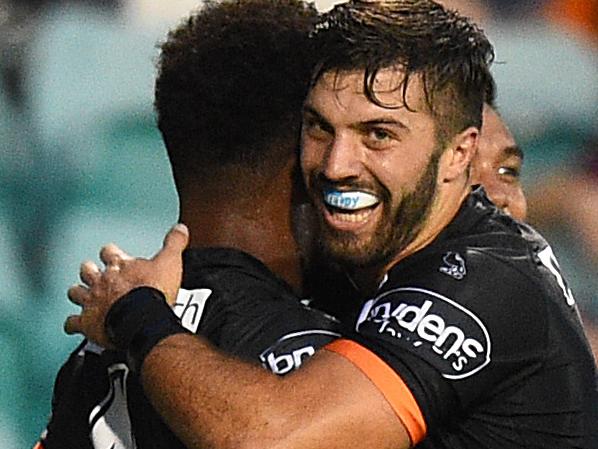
457,157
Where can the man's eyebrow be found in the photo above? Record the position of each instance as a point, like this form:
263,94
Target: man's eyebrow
307,109
322,122
514,150
384,121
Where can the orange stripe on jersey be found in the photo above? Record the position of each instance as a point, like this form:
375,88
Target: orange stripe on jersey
39,445
388,382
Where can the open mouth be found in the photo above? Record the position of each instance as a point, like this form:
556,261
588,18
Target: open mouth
353,206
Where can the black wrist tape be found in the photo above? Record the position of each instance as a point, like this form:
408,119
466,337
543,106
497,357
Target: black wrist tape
138,321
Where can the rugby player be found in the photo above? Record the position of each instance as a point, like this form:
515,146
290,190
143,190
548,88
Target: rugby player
92,374
471,337
232,79
497,165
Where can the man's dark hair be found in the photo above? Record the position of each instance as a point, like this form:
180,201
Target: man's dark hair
419,37
231,82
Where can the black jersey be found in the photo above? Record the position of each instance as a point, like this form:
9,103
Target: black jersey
227,296
476,341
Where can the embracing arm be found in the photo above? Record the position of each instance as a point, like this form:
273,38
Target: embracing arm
213,400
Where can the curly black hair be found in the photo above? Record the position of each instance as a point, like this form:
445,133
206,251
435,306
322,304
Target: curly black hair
231,81
420,37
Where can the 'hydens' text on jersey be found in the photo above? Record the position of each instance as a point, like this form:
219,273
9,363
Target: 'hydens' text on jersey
438,329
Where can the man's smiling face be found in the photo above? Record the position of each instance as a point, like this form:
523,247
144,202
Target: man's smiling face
370,170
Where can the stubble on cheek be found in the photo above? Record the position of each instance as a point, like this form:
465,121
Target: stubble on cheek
396,228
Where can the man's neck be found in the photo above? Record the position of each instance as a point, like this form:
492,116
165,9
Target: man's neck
257,221
444,209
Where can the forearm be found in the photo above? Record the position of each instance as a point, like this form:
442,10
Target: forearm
212,400
207,398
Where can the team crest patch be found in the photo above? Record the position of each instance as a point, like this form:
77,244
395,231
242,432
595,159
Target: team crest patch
453,265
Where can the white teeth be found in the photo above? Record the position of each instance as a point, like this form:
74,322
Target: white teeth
352,218
349,200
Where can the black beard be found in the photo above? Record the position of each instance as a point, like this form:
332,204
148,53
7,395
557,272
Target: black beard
393,234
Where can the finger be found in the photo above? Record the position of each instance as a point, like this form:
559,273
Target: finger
112,255
72,325
89,272
78,294
175,241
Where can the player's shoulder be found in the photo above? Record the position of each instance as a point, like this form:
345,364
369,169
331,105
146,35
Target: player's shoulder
460,304
228,269
494,263
226,291
482,248
479,283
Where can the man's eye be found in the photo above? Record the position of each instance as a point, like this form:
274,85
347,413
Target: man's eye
379,134
378,138
314,127
513,172
310,123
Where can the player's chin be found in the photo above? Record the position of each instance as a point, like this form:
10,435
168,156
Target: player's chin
350,249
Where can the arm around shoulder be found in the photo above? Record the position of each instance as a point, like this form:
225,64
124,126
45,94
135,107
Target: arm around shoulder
212,400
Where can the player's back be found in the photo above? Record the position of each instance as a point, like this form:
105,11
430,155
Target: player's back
227,296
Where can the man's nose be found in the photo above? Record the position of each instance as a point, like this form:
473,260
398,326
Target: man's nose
501,199
343,158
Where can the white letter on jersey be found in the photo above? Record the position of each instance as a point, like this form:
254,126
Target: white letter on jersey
189,307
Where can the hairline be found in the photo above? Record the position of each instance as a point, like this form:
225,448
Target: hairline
426,100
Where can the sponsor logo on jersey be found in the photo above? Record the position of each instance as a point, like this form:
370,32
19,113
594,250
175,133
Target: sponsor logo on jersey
433,326
189,307
453,265
290,351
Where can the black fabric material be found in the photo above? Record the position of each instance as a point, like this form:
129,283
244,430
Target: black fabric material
244,310
481,326
138,321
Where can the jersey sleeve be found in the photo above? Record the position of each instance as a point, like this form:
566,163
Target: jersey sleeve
437,343
391,384
255,318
